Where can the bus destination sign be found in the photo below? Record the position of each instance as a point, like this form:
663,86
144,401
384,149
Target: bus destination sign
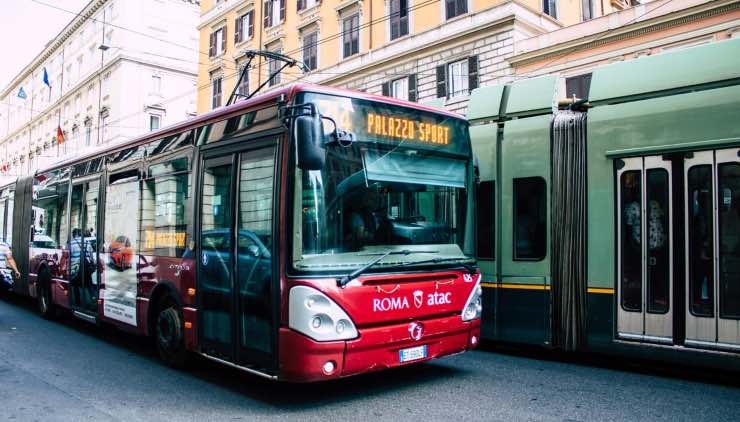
407,129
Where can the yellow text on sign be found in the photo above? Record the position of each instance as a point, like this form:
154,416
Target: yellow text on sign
407,129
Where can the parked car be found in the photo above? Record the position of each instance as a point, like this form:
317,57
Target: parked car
43,241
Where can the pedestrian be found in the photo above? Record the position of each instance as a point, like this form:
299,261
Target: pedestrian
8,269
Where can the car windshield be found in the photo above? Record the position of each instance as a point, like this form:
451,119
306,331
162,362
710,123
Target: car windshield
372,197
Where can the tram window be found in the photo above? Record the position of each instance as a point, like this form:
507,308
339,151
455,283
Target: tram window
530,219
658,241
163,220
631,240
728,200
701,245
486,220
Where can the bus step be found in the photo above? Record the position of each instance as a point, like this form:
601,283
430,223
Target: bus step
85,317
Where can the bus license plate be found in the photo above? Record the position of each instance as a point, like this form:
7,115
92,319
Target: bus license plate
414,353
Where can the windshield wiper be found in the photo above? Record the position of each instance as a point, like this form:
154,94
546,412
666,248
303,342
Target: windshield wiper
356,273
471,268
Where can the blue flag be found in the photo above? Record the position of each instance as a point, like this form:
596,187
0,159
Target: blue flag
46,79
21,93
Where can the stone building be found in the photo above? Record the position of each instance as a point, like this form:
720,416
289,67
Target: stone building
118,69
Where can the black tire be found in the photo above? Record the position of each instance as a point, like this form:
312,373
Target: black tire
46,306
169,333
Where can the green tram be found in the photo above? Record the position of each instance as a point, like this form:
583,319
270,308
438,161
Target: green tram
613,224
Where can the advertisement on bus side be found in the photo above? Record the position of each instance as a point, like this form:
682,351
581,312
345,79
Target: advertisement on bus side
119,251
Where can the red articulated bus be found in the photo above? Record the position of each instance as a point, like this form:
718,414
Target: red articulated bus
305,234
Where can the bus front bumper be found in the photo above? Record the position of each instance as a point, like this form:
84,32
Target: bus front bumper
380,347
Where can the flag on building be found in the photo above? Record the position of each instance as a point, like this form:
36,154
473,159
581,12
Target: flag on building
46,78
22,94
46,81
60,135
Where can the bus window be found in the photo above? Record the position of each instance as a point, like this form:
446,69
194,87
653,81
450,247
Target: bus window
530,219
169,144
9,220
728,193
486,216
254,256
50,211
701,244
2,220
244,124
163,220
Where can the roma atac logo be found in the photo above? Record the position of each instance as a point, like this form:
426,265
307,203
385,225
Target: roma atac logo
416,330
418,298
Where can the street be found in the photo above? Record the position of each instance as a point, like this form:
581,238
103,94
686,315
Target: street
70,370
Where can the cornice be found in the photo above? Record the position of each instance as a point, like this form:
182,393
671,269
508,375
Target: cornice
633,30
220,10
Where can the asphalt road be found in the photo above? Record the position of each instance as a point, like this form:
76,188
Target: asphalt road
73,371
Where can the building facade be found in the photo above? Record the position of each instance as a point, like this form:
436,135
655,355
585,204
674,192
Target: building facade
420,50
117,70
664,25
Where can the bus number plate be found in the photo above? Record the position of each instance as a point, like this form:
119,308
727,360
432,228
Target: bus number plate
414,353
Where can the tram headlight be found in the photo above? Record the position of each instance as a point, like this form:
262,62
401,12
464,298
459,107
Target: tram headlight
474,306
312,313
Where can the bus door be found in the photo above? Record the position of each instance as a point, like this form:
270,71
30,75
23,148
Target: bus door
83,246
645,251
235,266
713,249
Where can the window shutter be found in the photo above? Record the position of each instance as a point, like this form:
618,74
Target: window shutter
267,10
238,28
387,89
223,39
250,23
282,10
212,45
301,6
441,81
472,73
412,87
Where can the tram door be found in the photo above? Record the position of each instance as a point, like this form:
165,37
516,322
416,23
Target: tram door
645,252
235,277
712,195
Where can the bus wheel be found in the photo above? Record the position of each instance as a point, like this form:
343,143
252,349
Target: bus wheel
47,309
169,333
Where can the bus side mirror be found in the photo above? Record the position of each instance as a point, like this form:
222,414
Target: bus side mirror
309,135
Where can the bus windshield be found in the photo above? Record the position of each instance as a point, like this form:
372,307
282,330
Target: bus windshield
402,186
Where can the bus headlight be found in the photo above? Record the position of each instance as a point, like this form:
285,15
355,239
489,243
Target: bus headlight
312,313
474,305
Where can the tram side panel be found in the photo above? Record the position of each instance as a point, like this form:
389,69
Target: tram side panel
630,146
524,285
485,146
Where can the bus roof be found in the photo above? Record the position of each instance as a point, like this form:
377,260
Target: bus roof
234,109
